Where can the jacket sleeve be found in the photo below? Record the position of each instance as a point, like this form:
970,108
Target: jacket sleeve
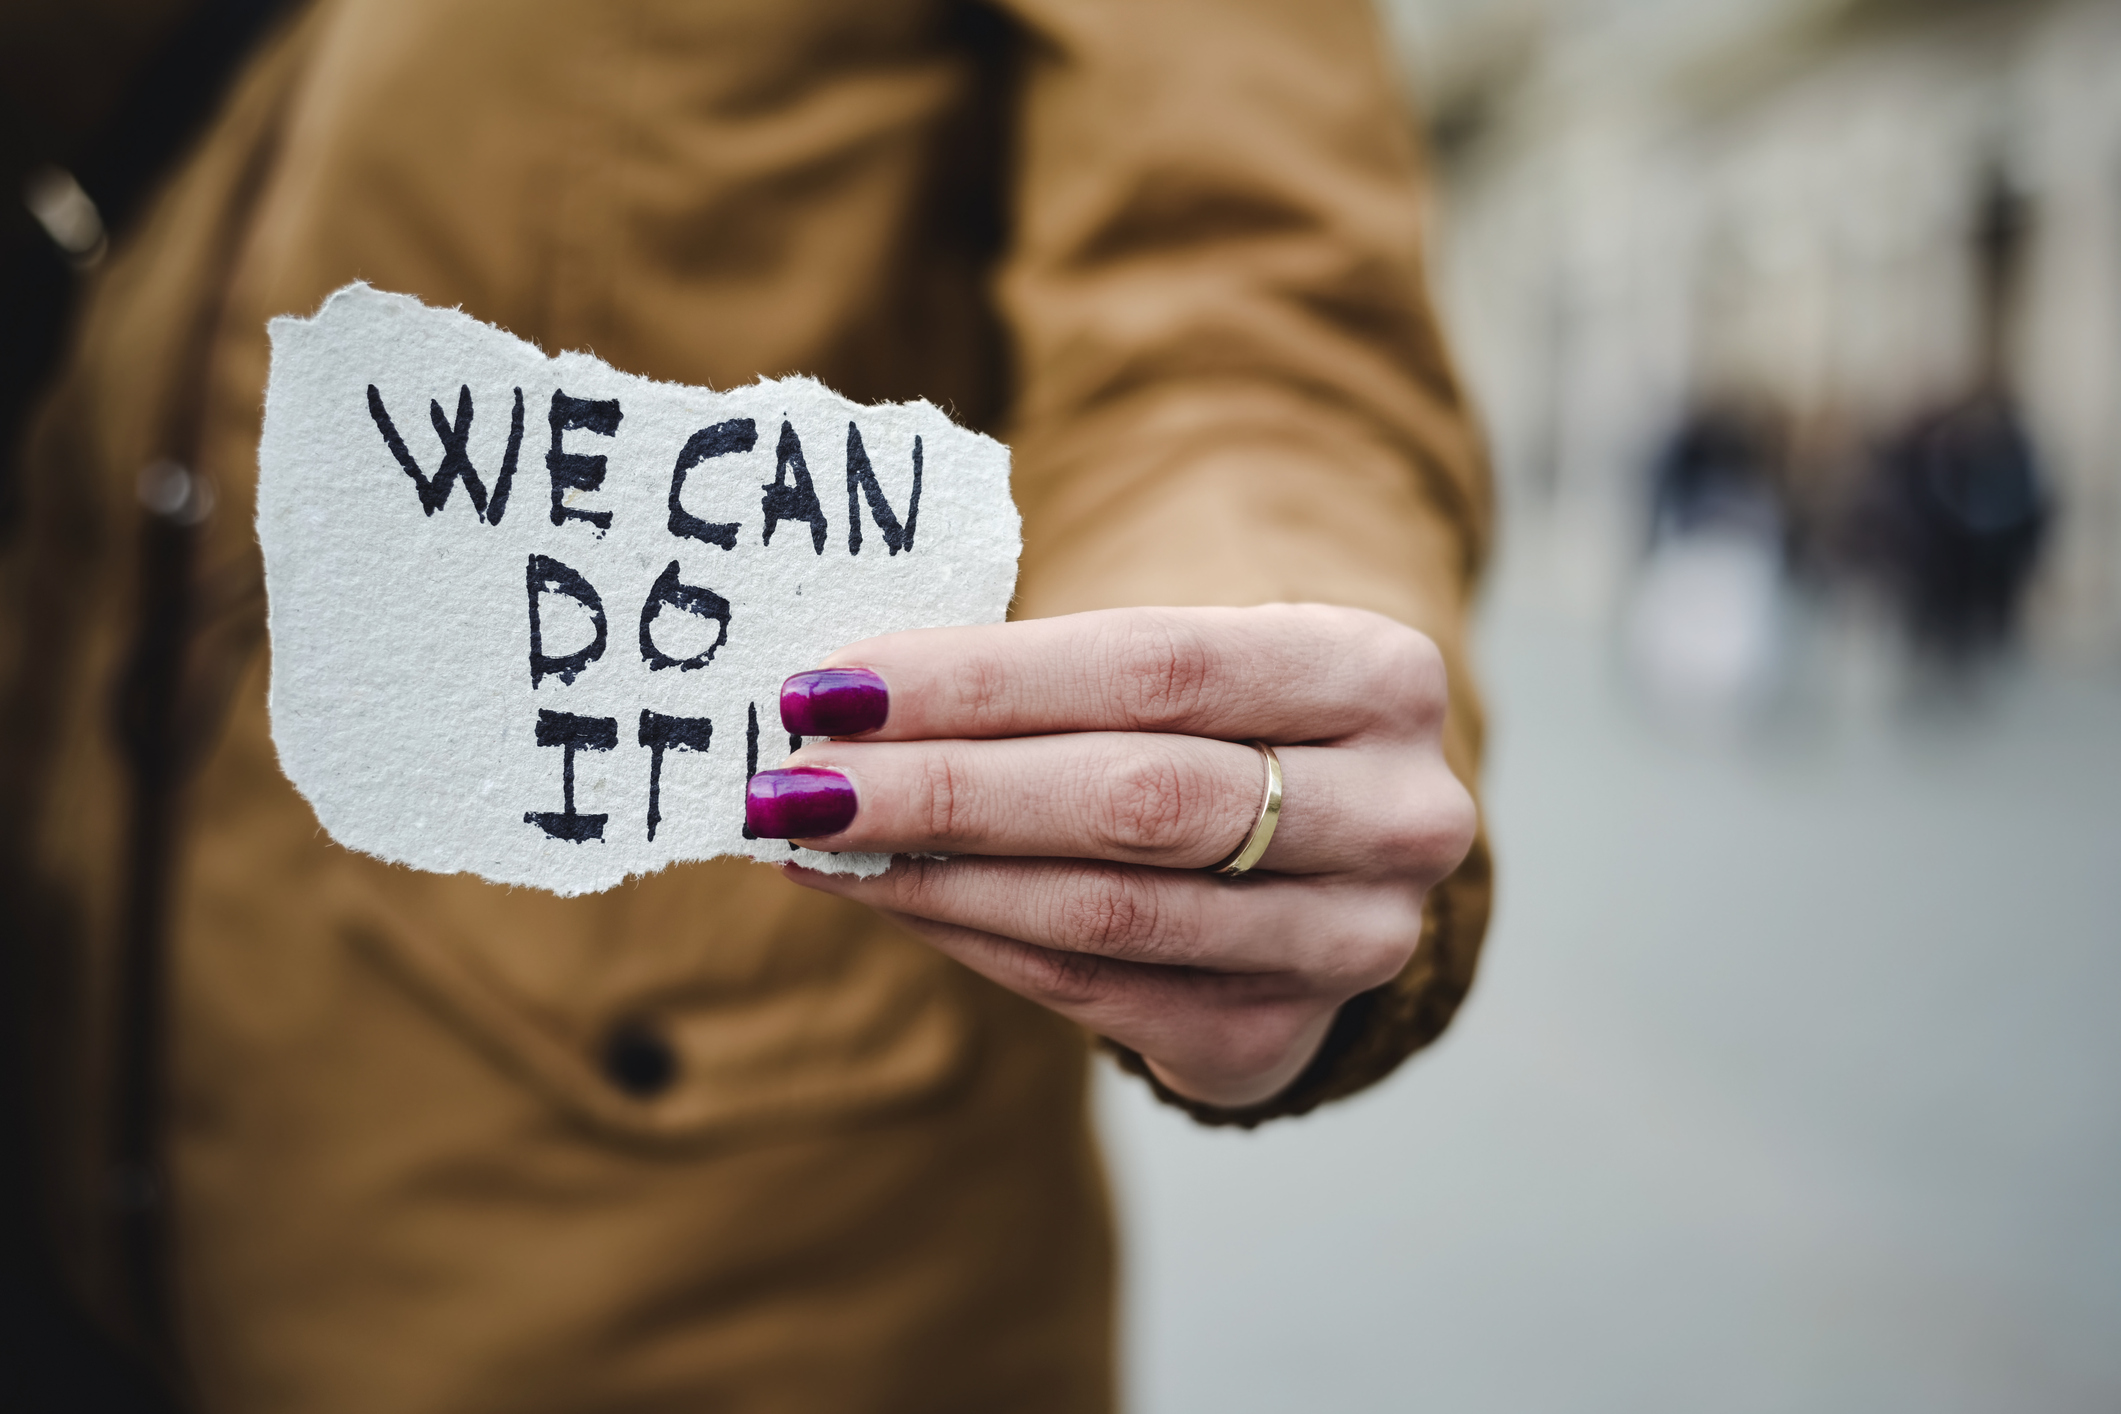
1230,386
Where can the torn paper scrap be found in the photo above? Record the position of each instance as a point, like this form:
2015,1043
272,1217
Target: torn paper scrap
530,616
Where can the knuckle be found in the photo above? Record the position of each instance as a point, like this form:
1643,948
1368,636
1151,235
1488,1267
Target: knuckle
1407,674
1384,956
1458,828
939,803
1112,915
1403,838
981,688
1159,669
1427,830
1378,951
1064,979
910,886
1142,803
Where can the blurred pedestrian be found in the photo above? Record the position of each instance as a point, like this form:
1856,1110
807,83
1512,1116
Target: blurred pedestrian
1956,511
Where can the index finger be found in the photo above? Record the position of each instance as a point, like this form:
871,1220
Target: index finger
1282,672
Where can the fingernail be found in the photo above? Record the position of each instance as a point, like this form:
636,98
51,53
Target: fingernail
800,803
834,702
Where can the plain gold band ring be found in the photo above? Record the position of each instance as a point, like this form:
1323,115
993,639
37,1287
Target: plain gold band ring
1255,846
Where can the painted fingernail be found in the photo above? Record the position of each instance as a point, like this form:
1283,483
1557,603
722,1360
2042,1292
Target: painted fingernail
799,803
834,702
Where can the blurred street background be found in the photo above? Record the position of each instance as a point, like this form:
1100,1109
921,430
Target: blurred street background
1791,1079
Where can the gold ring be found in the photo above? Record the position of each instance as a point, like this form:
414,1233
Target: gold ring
1255,846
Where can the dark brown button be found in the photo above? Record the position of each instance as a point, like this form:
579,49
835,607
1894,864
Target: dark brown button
639,1060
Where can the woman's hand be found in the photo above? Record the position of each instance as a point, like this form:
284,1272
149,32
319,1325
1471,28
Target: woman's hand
1085,771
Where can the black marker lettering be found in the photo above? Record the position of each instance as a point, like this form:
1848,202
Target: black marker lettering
797,502
751,752
456,460
738,435
544,574
574,470
861,474
658,734
571,734
498,506
662,732
693,600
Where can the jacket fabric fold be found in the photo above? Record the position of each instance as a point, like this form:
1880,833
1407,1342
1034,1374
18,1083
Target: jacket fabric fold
1170,252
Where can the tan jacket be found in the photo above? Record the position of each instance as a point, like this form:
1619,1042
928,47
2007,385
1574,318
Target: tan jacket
1169,251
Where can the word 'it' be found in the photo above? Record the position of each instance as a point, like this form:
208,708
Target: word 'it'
790,496
658,734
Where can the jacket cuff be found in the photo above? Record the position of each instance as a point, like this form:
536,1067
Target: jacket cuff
1374,1030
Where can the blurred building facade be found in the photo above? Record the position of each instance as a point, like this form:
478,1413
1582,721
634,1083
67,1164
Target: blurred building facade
1783,216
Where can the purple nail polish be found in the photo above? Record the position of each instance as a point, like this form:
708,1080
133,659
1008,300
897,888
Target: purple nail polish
834,702
800,803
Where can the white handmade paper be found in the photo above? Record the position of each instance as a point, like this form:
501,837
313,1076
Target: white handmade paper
471,547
